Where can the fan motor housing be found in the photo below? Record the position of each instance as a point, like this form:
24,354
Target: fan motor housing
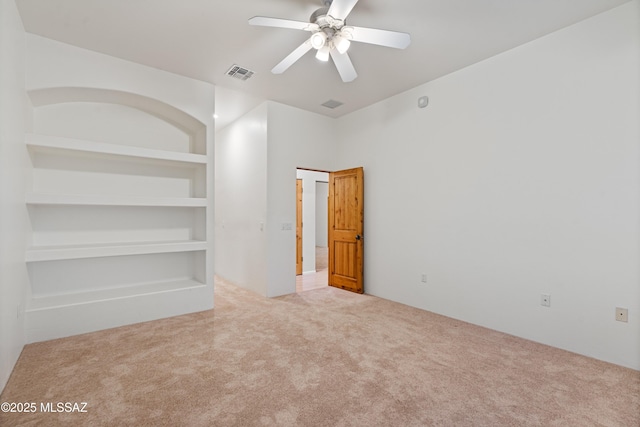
320,13
320,18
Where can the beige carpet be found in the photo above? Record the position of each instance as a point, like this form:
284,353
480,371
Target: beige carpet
319,358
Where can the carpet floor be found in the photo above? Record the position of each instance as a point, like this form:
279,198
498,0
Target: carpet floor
324,357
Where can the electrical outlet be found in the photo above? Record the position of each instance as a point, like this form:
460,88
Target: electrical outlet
545,300
423,278
622,314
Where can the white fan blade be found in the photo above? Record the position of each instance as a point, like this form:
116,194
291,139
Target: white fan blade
292,57
339,9
380,37
264,21
344,66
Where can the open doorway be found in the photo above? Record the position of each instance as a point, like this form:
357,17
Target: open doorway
312,230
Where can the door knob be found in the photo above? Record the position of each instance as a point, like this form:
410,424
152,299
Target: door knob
358,237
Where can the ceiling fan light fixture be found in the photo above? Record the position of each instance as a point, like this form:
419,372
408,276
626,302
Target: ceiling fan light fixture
341,43
323,54
318,40
331,37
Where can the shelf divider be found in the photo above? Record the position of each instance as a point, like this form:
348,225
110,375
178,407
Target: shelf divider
67,252
38,303
46,142
111,200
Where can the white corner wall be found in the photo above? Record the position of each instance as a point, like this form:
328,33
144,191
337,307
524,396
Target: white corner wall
241,201
13,215
521,177
297,139
257,158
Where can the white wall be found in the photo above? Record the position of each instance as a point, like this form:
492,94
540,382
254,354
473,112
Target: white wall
519,178
241,201
13,216
297,139
310,219
54,64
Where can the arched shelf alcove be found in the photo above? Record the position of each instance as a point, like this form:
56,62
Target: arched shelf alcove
78,99
119,211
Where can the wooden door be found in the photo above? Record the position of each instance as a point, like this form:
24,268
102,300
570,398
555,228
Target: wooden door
346,227
298,227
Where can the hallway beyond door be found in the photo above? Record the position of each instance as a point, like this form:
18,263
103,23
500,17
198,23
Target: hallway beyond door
319,279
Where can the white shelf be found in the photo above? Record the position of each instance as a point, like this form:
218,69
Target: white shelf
56,253
46,142
69,300
91,200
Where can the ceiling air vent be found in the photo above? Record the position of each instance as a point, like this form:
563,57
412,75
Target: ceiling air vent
240,73
332,103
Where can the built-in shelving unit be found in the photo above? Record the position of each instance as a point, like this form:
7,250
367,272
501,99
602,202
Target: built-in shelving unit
119,232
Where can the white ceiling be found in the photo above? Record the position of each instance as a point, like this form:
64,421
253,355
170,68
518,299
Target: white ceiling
201,39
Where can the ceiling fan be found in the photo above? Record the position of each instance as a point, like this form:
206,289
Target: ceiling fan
330,36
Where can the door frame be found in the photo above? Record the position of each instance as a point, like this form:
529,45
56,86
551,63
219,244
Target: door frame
305,225
361,290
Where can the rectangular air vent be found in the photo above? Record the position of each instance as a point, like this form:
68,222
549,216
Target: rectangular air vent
332,103
239,72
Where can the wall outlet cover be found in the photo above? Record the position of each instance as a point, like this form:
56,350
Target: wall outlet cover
622,314
545,300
